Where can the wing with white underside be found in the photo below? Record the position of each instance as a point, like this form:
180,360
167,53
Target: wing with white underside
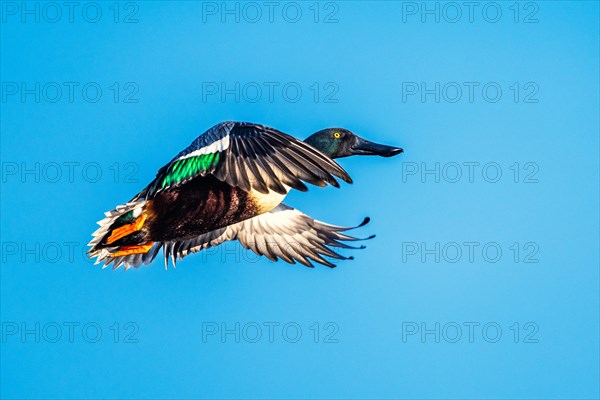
283,233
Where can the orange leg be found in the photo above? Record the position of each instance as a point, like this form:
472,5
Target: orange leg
127,250
126,229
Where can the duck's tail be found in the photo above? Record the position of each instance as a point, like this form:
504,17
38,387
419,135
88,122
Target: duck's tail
123,238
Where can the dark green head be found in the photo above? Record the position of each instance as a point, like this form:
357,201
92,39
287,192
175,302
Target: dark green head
340,142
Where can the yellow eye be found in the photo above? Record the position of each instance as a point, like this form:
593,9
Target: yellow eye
336,135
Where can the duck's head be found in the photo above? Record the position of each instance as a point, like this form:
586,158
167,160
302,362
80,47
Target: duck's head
340,142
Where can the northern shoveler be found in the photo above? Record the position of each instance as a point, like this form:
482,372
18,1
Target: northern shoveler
228,185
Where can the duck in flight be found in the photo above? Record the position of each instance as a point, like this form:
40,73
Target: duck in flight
229,185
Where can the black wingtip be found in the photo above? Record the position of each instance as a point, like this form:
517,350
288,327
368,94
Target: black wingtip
371,237
365,221
301,187
350,258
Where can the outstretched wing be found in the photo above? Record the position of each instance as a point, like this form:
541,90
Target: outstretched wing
249,156
283,232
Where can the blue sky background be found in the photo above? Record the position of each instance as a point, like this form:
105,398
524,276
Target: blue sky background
365,59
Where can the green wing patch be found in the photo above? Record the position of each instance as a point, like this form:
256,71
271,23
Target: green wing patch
125,218
189,167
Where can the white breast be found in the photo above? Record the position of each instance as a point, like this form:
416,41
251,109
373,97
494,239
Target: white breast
268,201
